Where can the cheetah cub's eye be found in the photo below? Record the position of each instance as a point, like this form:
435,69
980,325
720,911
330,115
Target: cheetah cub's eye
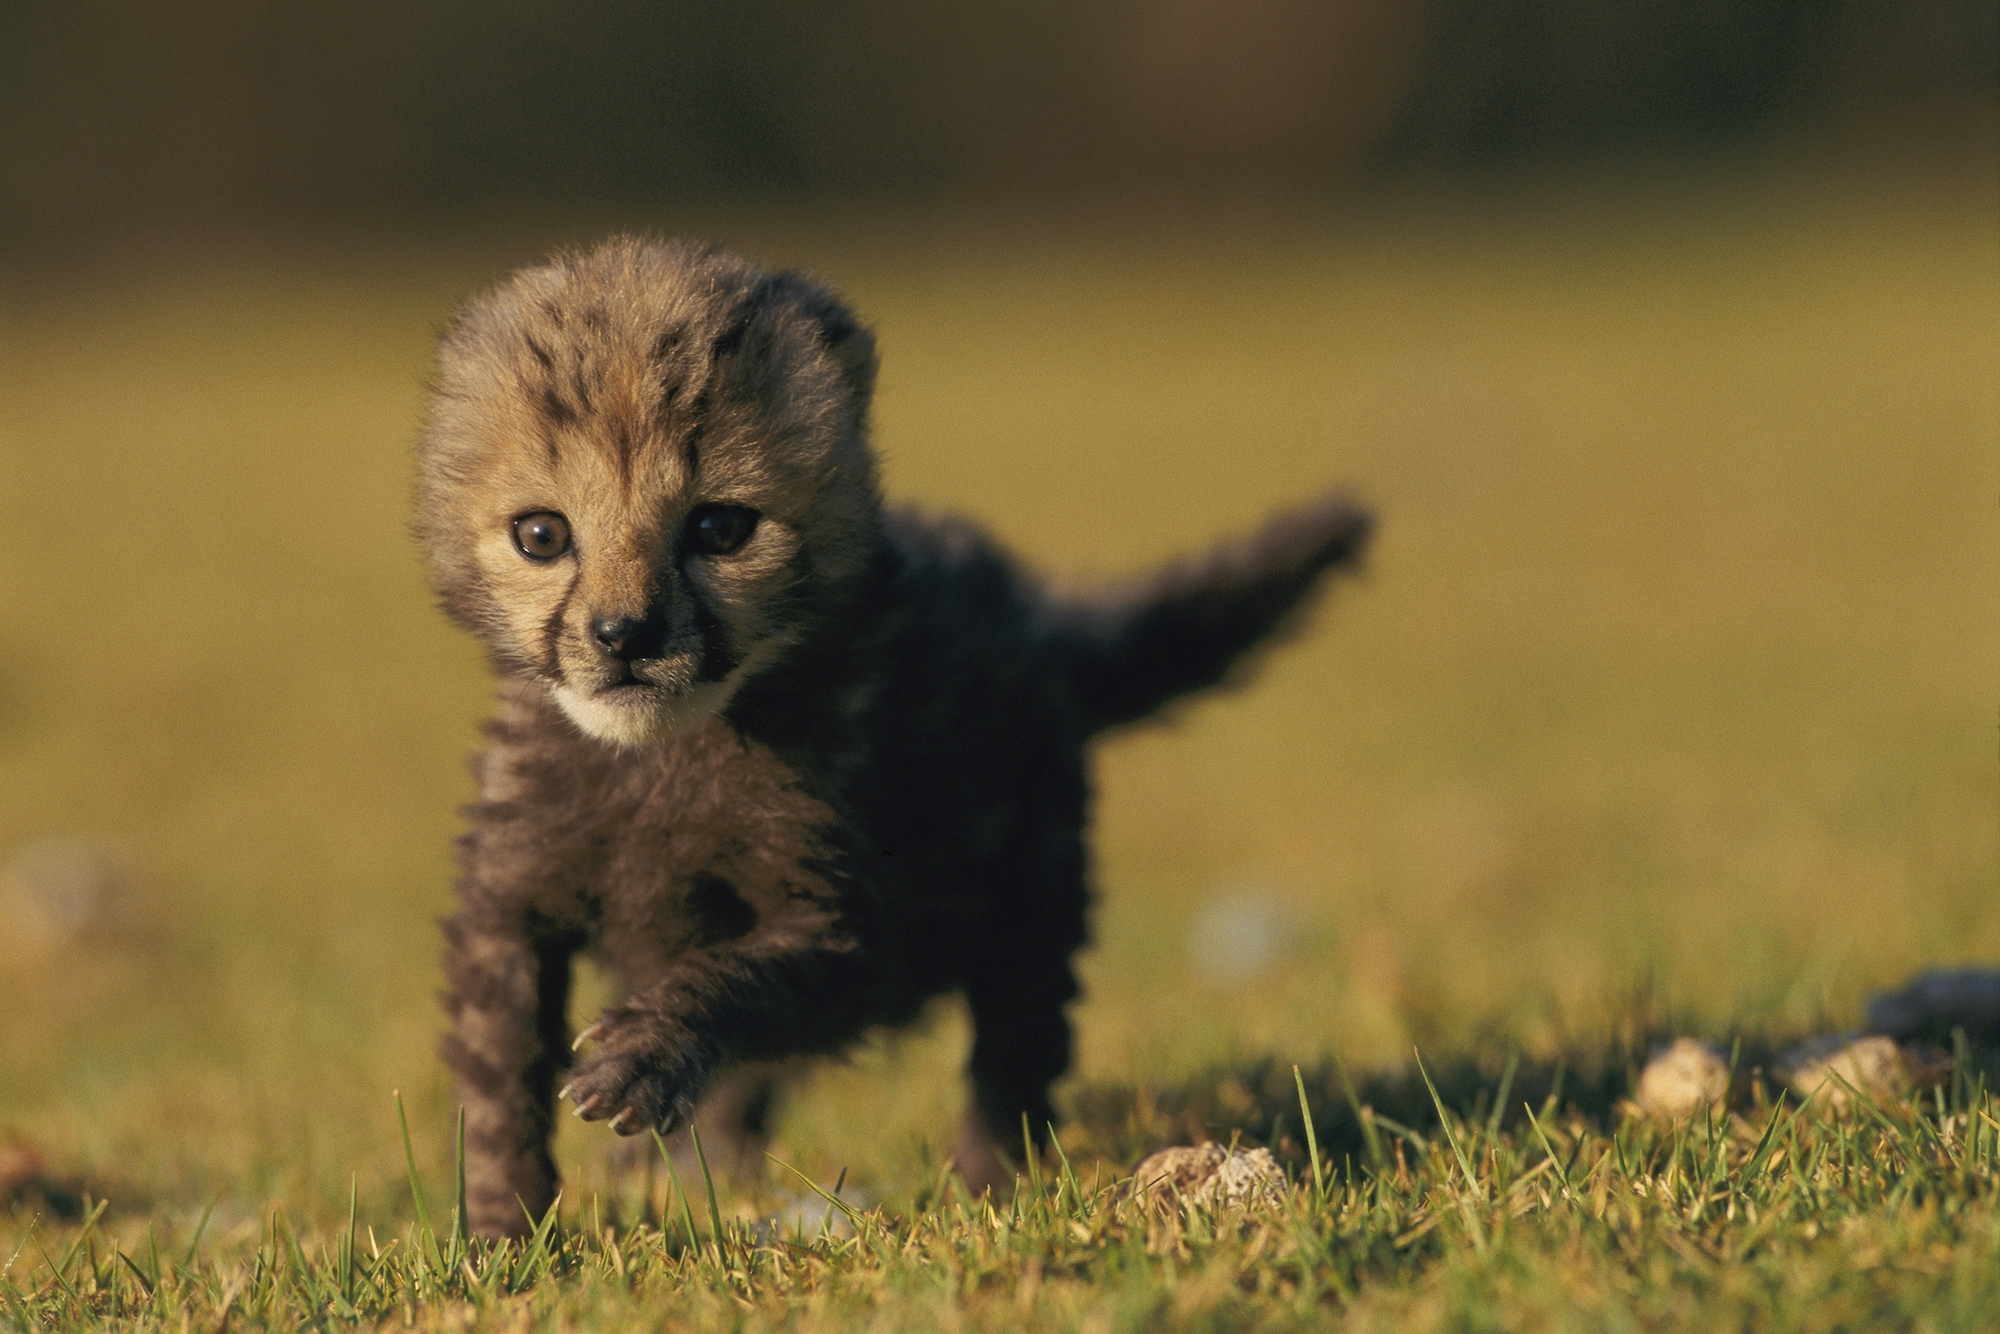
717,530
541,536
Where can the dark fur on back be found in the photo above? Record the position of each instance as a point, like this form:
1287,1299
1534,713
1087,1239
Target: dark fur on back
851,775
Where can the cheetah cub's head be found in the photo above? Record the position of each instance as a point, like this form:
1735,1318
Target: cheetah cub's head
645,476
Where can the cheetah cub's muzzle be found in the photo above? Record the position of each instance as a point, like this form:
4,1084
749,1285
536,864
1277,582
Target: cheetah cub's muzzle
640,648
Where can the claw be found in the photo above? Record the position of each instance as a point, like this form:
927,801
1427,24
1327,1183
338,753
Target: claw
564,1092
588,1105
618,1121
591,1034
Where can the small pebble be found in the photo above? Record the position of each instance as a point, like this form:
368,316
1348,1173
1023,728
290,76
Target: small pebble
1826,1068
1681,1079
1210,1174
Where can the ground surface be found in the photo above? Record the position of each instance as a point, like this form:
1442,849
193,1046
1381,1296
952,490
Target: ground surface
1668,703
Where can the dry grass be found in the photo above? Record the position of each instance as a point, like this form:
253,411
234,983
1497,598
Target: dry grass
1675,669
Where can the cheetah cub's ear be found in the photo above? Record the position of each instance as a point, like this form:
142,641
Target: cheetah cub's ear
845,339
646,478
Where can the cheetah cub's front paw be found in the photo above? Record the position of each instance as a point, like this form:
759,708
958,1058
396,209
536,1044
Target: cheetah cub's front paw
639,1077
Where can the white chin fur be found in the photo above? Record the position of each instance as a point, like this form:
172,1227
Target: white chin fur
634,718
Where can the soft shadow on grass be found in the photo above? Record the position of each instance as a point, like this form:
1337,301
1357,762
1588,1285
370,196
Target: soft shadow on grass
1371,1119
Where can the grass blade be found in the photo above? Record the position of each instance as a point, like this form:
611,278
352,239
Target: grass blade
1069,1173
460,1240
838,1182
12,1295
137,1272
26,1237
82,1235
1769,1137
1554,1101
674,1177
1465,1167
1500,1099
1312,1136
1377,1159
1032,1159
535,1257
1562,1173
833,1201
1417,1139
410,1164
187,1261
708,1184
347,1249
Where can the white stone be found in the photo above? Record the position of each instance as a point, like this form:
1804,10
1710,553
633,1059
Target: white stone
1213,1175
1682,1078
1825,1069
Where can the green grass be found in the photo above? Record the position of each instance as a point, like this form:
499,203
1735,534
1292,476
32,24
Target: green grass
1782,1220
1667,705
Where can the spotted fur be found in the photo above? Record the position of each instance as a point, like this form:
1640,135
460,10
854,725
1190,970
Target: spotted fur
846,772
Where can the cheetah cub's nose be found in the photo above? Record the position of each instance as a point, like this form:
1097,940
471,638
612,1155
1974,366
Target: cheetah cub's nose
613,633
631,638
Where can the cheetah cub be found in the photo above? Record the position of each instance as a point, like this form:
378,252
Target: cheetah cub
789,762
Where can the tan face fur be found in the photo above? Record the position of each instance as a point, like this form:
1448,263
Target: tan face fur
650,395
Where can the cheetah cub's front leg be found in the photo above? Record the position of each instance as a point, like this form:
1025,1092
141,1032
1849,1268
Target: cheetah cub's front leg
508,994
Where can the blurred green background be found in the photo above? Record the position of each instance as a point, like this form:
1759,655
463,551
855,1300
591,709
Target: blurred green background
1663,335
133,114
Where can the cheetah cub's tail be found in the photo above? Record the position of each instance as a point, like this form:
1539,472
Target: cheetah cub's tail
1194,624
